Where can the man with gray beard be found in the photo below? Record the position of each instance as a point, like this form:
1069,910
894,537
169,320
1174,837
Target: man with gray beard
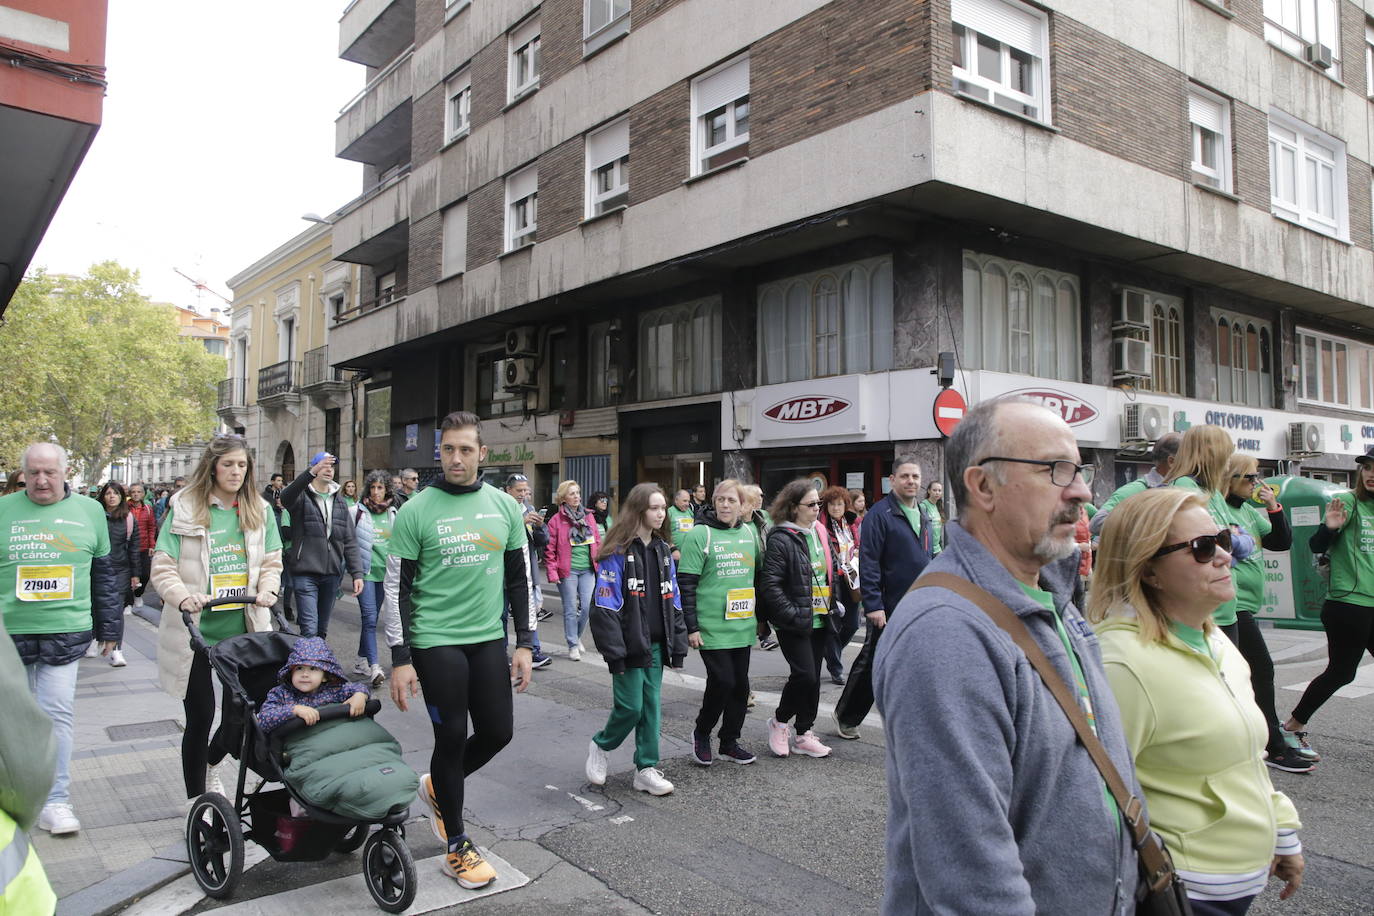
994,806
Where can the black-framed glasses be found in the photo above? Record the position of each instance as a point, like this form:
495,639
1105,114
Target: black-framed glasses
1204,548
1062,471
813,505
1253,478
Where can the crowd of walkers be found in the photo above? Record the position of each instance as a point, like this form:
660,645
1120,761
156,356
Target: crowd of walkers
1120,653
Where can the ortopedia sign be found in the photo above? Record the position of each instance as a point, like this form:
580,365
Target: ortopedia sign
806,409
1075,411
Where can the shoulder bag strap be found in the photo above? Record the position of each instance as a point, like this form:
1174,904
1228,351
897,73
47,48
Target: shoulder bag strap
1159,869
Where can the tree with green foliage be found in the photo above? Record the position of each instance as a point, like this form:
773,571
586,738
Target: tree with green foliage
90,363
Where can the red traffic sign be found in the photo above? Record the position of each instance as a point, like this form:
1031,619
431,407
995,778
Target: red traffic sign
949,410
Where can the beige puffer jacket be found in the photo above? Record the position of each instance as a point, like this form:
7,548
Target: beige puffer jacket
189,575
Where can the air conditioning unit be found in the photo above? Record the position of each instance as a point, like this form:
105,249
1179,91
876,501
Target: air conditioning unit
522,342
1305,439
1131,310
1318,55
1142,422
1131,358
519,374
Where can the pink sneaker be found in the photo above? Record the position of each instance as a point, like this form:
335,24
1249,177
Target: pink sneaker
809,745
777,737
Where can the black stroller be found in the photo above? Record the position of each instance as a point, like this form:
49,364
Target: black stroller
216,827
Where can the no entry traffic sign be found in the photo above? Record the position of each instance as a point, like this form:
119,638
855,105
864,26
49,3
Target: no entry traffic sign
949,410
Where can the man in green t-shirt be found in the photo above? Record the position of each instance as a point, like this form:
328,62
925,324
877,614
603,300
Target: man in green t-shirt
681,518
718,576
461,545
931,507
56,586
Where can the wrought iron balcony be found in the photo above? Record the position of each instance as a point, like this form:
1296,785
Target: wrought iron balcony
279,380
318,374
230,394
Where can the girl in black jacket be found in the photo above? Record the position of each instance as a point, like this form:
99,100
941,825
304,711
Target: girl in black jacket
124,555
637,623
796,597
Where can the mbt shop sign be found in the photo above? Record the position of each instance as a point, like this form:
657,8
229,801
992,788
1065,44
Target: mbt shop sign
806,409
1074,410
816,410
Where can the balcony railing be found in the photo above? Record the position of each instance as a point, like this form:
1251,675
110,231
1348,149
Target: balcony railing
317,370
279,379
230,394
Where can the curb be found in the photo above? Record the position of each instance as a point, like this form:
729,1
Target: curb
128,886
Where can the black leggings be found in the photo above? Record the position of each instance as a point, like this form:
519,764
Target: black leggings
450,676
197,750
727,692
1248,637
801,695
1349,635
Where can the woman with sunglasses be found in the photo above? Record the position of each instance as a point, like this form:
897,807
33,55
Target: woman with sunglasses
1193,727
1267,522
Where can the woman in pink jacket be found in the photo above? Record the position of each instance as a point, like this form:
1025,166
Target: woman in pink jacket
573,543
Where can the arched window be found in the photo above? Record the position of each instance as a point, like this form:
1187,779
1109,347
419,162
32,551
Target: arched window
1043,336
1020,318
1223,360
994,318
1245,361
680,348
1019,325
825,317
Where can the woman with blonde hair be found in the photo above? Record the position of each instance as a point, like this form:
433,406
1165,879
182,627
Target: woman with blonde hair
1195,731
1200,466
570,558
217,540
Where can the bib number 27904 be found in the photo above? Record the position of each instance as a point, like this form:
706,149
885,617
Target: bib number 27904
44,583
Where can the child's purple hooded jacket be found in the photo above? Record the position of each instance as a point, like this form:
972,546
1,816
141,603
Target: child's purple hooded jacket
336,688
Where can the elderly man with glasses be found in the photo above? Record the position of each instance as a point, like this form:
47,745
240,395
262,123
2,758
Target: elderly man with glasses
993,803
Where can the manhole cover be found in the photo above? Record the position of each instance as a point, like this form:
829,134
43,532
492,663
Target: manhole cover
143,730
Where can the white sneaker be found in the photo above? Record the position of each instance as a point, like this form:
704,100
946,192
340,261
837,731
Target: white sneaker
93,650
580,647
138,601
361,668
58,819
575,653
128,609
214,778
376,675
597,761
650,779
117,658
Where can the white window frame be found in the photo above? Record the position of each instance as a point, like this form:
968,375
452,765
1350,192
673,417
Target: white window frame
457,105
1234,376
1359,385
522,208
692,332
377,412
1210,114
988,323
1012,26
454,240
1168,343
1369,59
1292,25
523,50
603,21
386,289
608,150
1290,195
723,89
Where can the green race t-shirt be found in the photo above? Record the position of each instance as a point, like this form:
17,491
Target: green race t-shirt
1192,637
1352,554
581,557
933,518
820,588
284,523
1249,573
913,516
679,522
458,542
381,527
45,563
1224,516
725,560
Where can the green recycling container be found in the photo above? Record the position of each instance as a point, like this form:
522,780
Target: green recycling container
1293,589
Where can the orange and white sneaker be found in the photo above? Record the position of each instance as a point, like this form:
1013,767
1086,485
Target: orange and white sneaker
468,868
431,803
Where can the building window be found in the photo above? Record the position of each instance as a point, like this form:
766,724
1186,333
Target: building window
457,106
608,168
386,289
377,404
1307,176
455,243
1166,343
603,22
1369,60
680,350
720,116
599,375
493,398
1020,318
1245,361
999,55
829,322
1309,29
1334,371
558,370
1210,117
522,208
524,59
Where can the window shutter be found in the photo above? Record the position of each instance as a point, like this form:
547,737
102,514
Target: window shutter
524,34
522,184
723,86
1009,24
1206,113
455,239
608,144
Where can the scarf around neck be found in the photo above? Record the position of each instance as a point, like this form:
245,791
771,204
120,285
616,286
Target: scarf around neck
578,516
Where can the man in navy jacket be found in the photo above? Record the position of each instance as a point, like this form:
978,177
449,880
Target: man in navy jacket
894,547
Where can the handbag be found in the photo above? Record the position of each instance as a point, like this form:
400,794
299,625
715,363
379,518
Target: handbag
1160,892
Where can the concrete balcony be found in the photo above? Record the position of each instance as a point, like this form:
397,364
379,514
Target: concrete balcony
319,379
376,226
373,32
375,126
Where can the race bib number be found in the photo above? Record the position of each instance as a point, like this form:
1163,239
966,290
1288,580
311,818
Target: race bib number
739,604
44,583
229,585
820,599
685,524
586,542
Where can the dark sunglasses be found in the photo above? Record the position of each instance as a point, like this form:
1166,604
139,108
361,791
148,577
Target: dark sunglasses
1253,478
1204,548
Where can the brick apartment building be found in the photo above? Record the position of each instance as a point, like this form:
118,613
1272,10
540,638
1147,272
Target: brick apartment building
679,239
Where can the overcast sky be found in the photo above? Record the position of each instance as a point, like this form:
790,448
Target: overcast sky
218,133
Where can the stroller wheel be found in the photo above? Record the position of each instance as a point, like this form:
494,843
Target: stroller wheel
389,871
352,839
214,844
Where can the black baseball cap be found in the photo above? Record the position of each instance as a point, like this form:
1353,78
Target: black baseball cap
1367,456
